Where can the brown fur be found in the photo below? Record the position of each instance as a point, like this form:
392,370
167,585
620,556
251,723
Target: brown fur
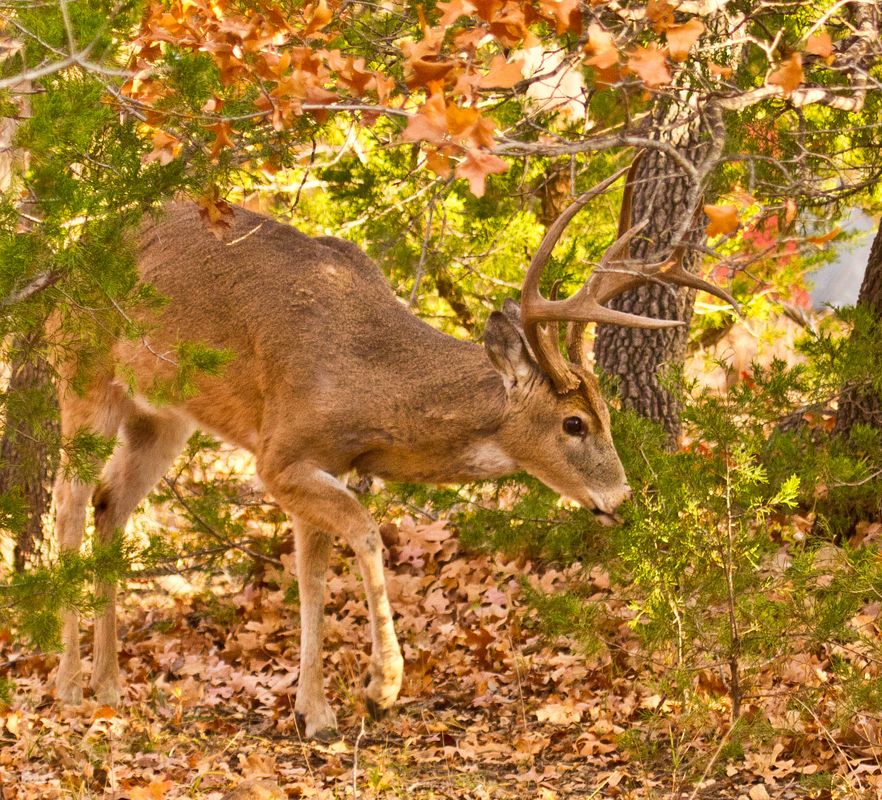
331,372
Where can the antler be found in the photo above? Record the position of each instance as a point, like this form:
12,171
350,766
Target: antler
540,316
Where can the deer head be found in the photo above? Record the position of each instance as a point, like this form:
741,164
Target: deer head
560,395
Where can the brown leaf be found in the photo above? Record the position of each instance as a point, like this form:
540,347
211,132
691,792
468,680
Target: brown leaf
165,148
502,74
440,165
823,238
789,75
475,168
723,219
317,16
820,44
648,63
603,46
682,37
661,14
155,790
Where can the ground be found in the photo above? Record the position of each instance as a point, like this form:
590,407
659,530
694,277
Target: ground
490,708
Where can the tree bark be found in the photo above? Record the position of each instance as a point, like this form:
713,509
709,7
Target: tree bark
856,405
637,357
27,455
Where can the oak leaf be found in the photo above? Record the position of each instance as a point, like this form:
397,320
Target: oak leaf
222,137
820,44
453,10
682,37
475,168
661,14
317,16
165,148
566,14
603,47
155,790
648,63
502,74
723,219
789,75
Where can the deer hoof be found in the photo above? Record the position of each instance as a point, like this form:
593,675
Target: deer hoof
70,694
107,696
317,723
375,711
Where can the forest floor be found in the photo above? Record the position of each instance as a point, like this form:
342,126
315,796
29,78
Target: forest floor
490,708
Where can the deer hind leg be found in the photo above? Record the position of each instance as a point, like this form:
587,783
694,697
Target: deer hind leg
319,500
150,441
314,716
99,411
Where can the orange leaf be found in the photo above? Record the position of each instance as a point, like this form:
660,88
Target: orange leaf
789,75
661,14
453,10
823,238
682,37
720,71
648,63
723,219
104,712
503,74
566,14
438,163
820,44
155,791
475,168
317,16
602,44
222,139
165,148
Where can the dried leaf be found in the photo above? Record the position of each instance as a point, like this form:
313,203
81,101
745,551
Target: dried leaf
502,74
603,46
789,75
820,44
723,219
475,168
682,37
649,64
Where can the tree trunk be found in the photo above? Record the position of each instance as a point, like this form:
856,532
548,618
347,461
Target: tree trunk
637,357
856,405
27,454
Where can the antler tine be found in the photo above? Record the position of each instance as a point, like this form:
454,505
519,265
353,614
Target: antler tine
540,316
534,307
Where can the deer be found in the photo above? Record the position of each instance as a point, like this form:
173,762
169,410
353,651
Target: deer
332,373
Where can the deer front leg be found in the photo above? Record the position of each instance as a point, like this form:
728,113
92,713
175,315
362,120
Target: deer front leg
314,716
319,500
71,499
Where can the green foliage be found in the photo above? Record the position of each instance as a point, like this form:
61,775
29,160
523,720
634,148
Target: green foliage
32,601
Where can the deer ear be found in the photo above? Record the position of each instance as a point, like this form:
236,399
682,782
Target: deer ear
508,350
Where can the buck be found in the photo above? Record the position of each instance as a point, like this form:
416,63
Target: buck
331,373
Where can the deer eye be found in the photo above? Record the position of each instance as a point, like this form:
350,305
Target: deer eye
573,426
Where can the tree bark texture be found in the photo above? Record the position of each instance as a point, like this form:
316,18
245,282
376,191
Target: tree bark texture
27,457
637,358
857,406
